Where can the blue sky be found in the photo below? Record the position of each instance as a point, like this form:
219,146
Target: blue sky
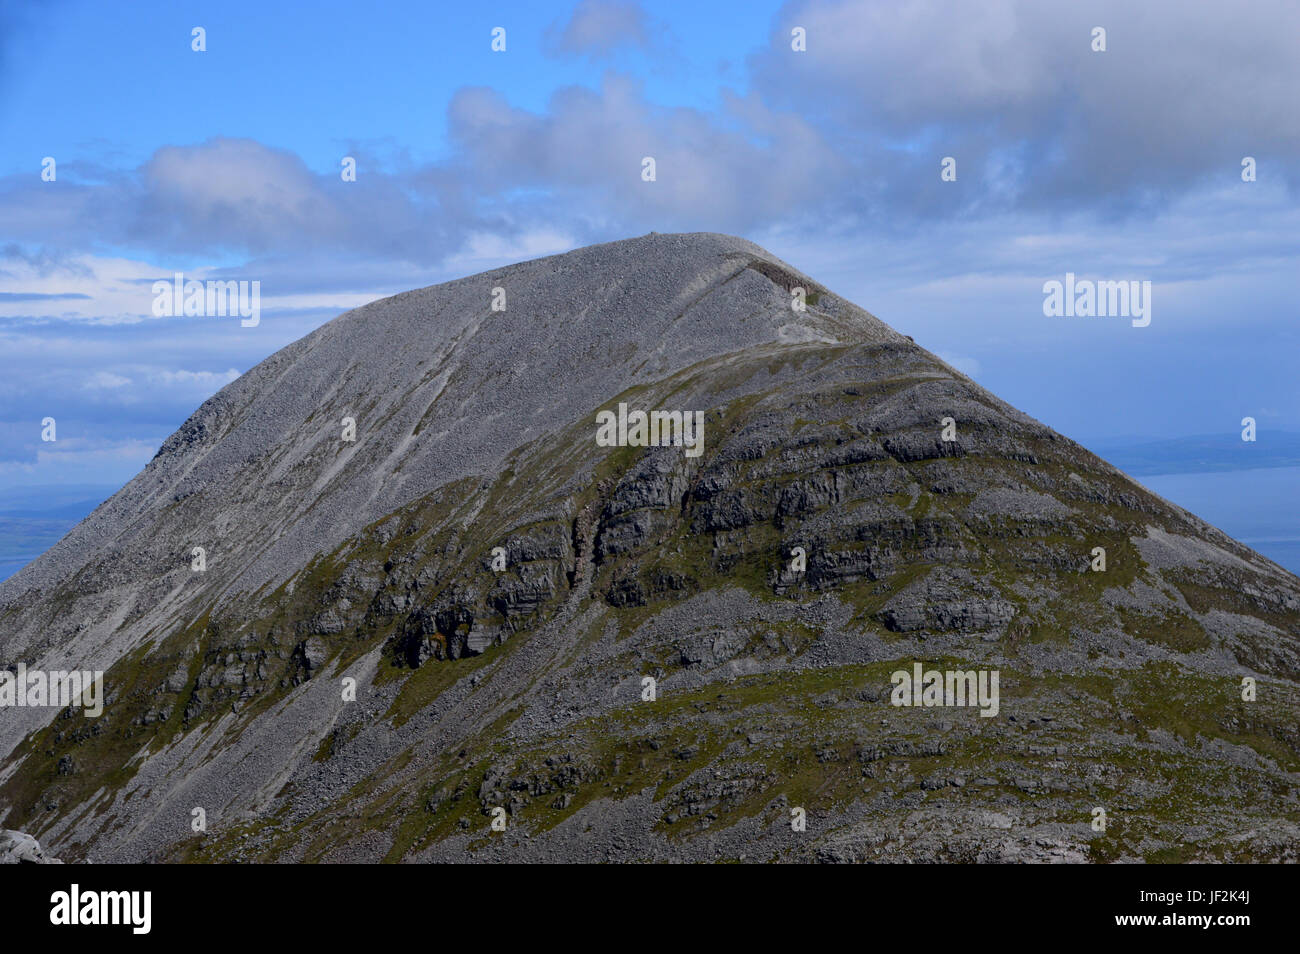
1115,165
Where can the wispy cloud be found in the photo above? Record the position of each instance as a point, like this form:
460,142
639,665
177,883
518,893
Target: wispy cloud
105,380
599,28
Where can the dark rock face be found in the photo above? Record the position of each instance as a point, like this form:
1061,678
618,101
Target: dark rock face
947,599
634,653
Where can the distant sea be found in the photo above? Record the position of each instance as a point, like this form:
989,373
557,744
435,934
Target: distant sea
1261,508
1249,490
33,519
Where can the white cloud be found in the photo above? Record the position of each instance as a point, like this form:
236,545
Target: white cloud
599,27
118,291
1035,117
69,460
202,379
105,381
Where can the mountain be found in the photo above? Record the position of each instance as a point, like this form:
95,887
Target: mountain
497,586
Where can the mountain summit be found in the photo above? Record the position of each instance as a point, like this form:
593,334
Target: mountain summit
395,595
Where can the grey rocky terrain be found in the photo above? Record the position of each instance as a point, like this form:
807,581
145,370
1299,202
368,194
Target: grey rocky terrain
17,848
516,695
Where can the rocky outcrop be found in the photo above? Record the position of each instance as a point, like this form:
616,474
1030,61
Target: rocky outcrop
19,849
947,599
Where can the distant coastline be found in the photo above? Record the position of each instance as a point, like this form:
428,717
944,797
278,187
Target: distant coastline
1199,454
33,519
